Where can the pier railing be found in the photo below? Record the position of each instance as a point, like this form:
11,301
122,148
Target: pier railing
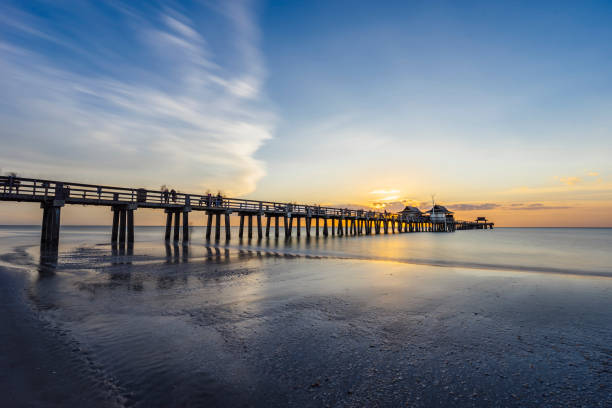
53,195
28,189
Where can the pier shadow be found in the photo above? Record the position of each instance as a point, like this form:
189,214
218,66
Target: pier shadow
217,255
176,253
122,253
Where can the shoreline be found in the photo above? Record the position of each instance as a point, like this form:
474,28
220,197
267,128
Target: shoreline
37,364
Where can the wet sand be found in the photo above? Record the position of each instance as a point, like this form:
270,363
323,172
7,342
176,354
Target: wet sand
249,328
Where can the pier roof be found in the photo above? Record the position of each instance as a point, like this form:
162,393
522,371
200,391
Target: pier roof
439,209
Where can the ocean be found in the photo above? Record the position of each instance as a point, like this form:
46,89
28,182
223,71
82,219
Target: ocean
503,317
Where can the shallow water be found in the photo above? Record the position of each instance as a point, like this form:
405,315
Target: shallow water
519,317
584,251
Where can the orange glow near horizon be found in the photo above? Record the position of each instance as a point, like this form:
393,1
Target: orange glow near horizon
589,216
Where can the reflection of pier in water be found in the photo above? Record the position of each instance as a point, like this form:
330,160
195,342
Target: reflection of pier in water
326,221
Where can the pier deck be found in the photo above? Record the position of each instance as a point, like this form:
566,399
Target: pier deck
53,195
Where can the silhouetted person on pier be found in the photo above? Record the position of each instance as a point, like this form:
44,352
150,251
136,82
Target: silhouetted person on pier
13,183
165,195
173,194
219,200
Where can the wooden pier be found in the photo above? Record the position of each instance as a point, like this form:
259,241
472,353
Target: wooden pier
123,202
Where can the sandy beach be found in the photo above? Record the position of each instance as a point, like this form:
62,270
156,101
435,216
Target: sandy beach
178,327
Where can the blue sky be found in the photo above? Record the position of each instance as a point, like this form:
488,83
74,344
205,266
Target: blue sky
507,103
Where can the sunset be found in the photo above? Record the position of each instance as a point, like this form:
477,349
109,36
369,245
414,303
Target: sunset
305,203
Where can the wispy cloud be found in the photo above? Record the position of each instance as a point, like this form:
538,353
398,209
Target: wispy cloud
536,206
186,117
473,207
505,206
570,181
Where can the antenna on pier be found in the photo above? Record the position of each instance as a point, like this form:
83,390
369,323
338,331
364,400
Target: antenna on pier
433,203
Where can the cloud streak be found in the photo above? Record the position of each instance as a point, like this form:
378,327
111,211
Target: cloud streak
536,207
179,116
473,207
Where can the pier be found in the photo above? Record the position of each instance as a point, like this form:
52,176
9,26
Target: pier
123,202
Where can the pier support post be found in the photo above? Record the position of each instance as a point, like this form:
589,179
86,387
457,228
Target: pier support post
308,222
177,226
317,226
115,230
290,225
228,234
217,226
122,222
250,230
45,223
259,231
185,226
285,221
241,230
298,226
325,232
50,225
268,219
130,226
276,227
55,225
208,226
333,226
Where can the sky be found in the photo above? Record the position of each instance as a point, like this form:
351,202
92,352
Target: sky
498,109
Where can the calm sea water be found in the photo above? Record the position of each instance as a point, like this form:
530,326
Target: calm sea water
424,319
564,250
